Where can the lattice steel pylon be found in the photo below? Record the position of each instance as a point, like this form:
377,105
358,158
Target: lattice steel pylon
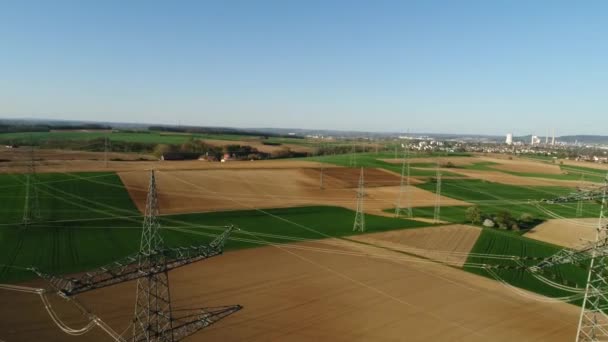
579,204
153,319
31,209
105,151
353,157
404,188
321,184
437,211
593,321
359,225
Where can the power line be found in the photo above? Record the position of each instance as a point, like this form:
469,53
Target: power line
359,224
31,209
437,211
593,322
404,187
579,204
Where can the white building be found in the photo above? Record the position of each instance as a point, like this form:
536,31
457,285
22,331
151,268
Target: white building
535,140
509,139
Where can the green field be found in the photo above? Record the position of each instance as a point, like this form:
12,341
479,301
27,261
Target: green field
495,197
456,214
497,242
475,190
372,160
88,220
134,137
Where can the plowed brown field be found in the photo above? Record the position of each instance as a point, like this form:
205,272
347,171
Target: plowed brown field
565,232
449,244
212,190
294,294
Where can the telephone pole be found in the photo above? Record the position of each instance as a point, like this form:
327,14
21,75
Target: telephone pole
437,212
359,225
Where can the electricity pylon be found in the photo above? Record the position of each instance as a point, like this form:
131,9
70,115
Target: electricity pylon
593,321
321,185
359,224
105,151
154,320
404,187
579,204
353,156
31,209
437,212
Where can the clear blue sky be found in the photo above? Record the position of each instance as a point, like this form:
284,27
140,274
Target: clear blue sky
427,66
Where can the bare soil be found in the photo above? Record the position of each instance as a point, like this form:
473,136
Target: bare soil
294,294
214,190
450,244
570,233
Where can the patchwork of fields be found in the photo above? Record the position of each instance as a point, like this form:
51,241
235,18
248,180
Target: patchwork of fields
296,242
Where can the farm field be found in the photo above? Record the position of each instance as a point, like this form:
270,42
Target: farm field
373,160
296,293
449,244
496,242
141,137
87,220
91,218
197,191
571,233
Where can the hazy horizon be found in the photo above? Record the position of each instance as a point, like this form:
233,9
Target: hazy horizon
468,67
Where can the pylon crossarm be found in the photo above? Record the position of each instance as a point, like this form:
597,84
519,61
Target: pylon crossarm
190,324
130,268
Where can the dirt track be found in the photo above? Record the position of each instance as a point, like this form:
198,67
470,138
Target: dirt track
212,190
304,295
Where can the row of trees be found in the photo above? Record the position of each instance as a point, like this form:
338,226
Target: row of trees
502,219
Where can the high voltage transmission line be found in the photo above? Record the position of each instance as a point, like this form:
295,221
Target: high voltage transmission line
353,156
321,185
437,211
359,225
579,204
154,320
31,208
593,322
404,187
